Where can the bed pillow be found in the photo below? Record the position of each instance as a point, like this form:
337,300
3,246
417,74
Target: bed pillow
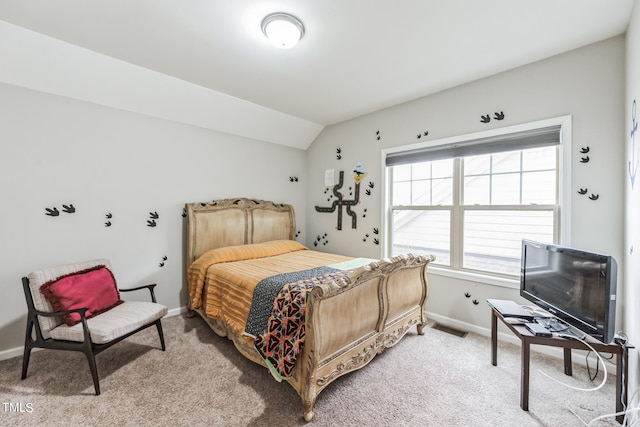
94,288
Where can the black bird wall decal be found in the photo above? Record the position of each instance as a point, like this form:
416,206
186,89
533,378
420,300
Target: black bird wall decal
52,212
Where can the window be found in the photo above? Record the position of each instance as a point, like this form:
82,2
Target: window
470,202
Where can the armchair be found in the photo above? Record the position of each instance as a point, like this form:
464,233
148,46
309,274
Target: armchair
77,307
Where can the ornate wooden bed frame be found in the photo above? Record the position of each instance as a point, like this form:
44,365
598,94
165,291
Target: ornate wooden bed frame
349,321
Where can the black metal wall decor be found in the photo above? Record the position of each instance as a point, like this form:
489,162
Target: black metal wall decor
65,208
496,116
108,216
52,212
338,153
586,159
321,239
376,241
153,216
367,191
164,259
474,301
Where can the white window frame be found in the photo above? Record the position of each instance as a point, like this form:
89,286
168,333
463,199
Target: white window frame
564,191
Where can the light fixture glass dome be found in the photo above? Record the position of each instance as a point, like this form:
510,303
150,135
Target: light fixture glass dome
283,30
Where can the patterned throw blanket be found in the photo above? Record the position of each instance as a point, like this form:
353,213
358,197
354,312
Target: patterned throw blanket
279,328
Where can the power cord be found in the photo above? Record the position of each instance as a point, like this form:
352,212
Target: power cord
625,421
604,368
628,421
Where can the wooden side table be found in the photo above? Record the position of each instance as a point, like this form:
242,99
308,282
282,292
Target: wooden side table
527,338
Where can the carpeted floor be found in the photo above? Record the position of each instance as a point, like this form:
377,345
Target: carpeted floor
438,379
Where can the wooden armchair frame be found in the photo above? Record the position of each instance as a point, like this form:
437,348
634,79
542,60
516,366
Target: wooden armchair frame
87,346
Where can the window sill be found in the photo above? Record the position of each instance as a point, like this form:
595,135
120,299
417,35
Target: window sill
475,277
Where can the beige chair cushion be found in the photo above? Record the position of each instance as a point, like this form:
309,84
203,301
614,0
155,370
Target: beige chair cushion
114,323
40,277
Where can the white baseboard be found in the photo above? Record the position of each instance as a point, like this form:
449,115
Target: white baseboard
15,352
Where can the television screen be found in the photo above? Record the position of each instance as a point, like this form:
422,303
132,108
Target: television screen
576,286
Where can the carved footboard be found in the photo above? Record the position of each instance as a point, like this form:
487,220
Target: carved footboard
351,320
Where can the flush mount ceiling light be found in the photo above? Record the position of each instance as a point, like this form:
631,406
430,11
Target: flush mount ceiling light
283,30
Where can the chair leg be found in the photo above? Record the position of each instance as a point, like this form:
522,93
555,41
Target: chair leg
91,358
25,361
161,334
27,349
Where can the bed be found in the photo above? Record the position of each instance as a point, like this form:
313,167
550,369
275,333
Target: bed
308,316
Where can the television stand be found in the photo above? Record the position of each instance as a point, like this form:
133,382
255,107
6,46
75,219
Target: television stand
527,338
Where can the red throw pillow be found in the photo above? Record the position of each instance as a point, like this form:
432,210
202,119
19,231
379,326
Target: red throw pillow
94,288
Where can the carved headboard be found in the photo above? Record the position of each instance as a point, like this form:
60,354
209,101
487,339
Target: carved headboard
230,222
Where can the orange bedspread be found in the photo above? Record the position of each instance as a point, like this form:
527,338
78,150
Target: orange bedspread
222,280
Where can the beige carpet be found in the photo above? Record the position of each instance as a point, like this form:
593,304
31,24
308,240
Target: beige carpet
201,380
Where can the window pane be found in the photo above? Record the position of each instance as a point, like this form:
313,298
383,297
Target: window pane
475,165
413,185
492,239
442,192
477,190
539,158
442,168
539,188
421,171
421,192
506,162
422,232
505,189
401,173
401,193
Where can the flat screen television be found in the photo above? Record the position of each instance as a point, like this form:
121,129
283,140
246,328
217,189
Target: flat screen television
576,286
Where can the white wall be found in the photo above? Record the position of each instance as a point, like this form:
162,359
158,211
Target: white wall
632,196
586,83
57,151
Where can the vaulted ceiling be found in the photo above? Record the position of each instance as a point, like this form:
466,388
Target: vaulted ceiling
206,62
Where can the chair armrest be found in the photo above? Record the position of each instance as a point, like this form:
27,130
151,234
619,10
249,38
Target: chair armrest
81,311
83,319
149,286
